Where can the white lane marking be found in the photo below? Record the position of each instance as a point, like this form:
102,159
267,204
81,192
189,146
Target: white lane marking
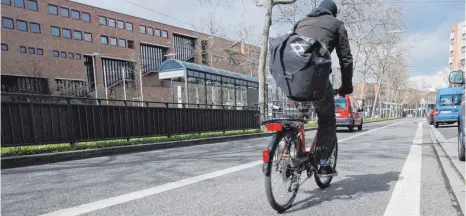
90,207
406,197
360,134
149,191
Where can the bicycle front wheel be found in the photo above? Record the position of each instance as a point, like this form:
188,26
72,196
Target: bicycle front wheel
281,180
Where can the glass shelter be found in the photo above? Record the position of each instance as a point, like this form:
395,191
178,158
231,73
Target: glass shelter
201,86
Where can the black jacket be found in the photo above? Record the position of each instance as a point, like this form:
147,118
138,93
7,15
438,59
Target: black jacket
322,25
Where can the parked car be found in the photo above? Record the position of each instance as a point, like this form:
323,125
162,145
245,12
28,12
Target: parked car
430,117
457,77
348,113
447,105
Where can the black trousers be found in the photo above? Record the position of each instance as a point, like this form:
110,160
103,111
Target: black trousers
326,132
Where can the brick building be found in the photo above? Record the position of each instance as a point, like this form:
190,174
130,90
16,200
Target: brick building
60,47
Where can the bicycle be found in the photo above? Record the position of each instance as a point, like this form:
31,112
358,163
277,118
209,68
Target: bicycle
291,131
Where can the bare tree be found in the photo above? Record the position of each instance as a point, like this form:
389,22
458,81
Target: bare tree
213,31
268,5
292,13
386,55
139,68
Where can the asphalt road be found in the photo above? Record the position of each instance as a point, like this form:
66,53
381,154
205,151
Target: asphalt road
449,131
388,168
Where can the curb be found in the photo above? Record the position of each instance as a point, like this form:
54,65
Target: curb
449,173
47,158
450,160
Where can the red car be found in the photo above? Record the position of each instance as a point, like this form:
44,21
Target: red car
348,113
430,116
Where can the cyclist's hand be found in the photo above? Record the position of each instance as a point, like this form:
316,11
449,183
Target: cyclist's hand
345,89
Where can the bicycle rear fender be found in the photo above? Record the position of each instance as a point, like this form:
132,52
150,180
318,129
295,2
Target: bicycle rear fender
272,145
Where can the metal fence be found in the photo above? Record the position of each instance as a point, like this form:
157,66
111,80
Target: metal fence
36,120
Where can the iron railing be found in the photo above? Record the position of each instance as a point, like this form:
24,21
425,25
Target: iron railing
33,120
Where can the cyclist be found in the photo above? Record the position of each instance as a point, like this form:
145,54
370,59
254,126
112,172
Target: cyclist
321,24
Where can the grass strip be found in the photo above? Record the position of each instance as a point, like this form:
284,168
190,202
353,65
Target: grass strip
64,147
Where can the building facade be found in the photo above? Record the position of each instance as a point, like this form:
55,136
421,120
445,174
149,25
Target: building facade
60,47
457,47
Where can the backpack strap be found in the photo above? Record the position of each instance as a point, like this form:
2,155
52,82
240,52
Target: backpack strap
296,25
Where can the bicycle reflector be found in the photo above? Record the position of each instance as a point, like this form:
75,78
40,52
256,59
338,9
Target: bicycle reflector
265,155
274,127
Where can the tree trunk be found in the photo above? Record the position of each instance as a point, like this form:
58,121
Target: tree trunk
377,94
263,56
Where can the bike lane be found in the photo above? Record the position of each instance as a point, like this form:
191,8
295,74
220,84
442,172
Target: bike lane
34,190
368,165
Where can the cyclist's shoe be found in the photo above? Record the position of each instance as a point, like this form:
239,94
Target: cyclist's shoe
326,170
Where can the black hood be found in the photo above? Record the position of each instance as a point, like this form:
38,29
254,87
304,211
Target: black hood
325,7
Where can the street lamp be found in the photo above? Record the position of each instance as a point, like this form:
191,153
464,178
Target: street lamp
95,77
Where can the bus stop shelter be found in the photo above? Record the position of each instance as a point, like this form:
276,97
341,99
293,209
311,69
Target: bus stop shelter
199,84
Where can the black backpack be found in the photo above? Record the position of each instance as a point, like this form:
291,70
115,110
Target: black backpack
300,66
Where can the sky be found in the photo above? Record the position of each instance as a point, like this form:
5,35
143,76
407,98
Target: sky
427,23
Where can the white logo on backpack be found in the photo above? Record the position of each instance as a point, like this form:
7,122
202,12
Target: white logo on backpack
299,48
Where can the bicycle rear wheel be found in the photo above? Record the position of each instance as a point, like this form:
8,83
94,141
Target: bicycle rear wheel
324,182
280,169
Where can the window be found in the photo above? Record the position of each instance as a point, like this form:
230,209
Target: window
7,2
450,100
55,31
40,51
122,42
150,31
153,56
8,23
121,24
55,53
113,41
4,47
158,33
70,55
35,27
19,3
32,50
53,9
111,22
32,5
63,54
21,25
130,44
87,36
102,20
67,33
86,17
142,29
77,56
164,34
22,49
75,14
64,12
129,26
78,35
103,39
